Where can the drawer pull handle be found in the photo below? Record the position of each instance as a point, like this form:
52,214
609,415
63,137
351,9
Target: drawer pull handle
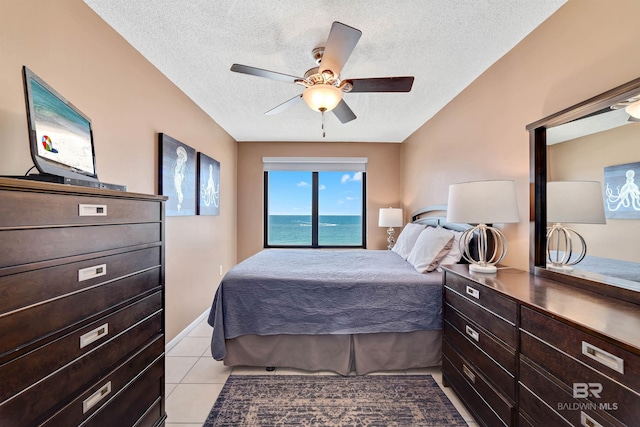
92,272
94,335
92,210
473,292
587,421
472,333
468,373
601,356
96,397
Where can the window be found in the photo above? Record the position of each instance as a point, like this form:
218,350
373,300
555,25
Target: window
314,208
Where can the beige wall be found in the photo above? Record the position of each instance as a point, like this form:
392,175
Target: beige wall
383,184
129,102
584,49
585,159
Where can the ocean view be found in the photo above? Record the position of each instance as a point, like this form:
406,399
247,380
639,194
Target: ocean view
332,230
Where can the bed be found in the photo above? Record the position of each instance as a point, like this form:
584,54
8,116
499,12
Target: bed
332,310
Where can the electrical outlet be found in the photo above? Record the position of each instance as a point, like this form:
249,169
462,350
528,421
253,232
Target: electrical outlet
221,270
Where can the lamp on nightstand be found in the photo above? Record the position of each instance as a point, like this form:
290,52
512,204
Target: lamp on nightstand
575,202
482,203
390,217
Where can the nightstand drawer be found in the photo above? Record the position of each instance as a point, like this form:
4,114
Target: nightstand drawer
38,209
32,367
500,328
479,337
64,384
503,380
604,357
128,398
43,244
560,399
39,286
487,298
21,329
576,375
454,365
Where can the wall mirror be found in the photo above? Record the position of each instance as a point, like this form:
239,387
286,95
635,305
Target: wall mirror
592,141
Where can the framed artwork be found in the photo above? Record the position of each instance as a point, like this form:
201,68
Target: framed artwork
208,185
177,176
622,194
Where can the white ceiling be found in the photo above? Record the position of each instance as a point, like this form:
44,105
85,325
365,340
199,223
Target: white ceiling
445,44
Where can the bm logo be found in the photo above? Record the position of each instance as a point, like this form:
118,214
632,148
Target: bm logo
582,390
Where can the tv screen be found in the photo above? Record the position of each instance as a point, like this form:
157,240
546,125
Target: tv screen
60,135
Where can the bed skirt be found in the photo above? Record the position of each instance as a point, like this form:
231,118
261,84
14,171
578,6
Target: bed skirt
359,353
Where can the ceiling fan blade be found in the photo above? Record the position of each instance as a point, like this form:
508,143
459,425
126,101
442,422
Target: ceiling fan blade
340,43
343,112
245,69
285,105
382,84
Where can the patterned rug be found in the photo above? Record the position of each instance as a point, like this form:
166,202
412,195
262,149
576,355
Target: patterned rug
297,400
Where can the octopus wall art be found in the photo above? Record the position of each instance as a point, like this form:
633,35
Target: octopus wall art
622,193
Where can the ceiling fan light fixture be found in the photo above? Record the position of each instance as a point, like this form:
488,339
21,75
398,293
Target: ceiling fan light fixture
633,110
322,97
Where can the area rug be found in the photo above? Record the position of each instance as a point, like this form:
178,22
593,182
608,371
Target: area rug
297,400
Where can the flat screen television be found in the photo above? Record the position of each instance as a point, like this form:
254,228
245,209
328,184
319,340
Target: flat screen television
60,135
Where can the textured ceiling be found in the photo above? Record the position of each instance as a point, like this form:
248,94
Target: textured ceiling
445,44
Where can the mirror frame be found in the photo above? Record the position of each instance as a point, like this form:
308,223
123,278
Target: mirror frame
538,179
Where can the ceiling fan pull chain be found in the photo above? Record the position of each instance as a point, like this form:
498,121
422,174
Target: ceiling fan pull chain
322,111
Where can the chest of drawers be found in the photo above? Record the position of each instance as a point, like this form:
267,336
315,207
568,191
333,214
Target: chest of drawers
81,306
521,350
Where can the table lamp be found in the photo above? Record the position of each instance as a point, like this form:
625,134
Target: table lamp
390,217
574,202
482,203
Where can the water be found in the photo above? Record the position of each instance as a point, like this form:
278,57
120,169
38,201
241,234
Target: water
333,230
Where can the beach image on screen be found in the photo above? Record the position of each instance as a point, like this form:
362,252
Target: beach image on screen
63,136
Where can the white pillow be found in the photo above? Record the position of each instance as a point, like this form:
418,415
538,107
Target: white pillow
407,239
432,245
455,254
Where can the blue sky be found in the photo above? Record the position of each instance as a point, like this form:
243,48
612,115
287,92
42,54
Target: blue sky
290,193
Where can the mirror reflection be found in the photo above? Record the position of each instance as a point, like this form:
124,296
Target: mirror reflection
603,147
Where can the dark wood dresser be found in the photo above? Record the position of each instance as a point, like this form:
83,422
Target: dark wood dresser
81,306
521,350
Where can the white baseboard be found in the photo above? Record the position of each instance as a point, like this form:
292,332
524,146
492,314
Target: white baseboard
186,331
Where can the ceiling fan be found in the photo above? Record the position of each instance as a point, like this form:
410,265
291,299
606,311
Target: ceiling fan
323,86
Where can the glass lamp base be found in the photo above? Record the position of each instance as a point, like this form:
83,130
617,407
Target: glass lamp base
562,268
485,269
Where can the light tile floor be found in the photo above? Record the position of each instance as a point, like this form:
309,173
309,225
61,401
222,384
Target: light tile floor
194,379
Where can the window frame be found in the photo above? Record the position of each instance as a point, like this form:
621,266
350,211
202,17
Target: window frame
315,188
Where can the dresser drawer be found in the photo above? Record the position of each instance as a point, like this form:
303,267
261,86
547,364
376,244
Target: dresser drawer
20,209
560,399
604,357
487,298
454,365
42,244
24,327
32,367
538,412
37,286
479,337
38,402
500,328
129,399
503,380
570,371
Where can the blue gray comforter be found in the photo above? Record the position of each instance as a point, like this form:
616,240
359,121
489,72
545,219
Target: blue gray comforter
289,291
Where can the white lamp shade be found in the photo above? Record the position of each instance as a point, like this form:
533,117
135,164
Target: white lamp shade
390,217
633,110
483,202
322,97
575,202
